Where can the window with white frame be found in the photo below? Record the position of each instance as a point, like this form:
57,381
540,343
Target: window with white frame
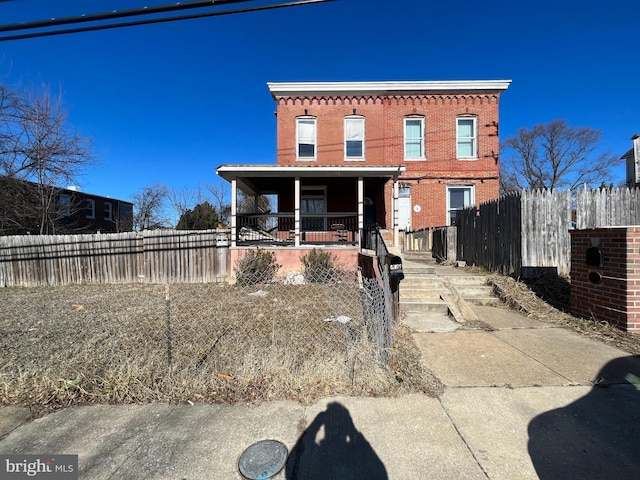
108,211
354,138
91,208
414,138
306,138
467,146
64,205
459,197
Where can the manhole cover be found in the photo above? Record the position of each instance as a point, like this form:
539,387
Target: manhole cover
263,460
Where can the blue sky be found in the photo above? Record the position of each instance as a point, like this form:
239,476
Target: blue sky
170,102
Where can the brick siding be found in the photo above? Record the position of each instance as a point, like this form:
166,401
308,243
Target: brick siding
384,143
610,293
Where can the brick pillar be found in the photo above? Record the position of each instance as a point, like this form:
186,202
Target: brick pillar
608,291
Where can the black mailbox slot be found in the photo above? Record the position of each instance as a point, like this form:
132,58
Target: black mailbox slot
595,257
395,266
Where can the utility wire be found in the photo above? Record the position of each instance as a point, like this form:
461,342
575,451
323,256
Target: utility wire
80,19
54,22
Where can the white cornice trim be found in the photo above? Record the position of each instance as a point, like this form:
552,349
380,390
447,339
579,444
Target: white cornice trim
287,89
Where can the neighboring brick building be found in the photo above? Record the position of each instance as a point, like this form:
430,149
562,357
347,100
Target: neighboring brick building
444,134
68,210
81,212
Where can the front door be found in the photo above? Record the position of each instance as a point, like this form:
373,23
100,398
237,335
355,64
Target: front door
404,208
313,202
369,213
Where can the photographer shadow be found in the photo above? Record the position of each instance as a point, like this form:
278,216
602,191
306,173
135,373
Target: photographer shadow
595,437
332,448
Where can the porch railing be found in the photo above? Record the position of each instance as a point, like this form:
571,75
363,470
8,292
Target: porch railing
278,229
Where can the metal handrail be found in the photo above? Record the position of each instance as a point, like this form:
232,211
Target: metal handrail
372,240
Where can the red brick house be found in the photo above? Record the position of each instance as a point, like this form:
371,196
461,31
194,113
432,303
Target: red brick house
402,155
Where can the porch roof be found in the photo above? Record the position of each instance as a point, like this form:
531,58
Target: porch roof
263,178
228,172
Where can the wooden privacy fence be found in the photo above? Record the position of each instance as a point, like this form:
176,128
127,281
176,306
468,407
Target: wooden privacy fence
440,241
531,228
150,256
607,207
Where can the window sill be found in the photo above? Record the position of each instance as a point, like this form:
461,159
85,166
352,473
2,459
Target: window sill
423,159
362,159
306,159
463,159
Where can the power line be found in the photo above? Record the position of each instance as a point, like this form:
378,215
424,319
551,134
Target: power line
54,22
136,12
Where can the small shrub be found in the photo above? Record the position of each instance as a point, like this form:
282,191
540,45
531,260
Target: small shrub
319,266
257,266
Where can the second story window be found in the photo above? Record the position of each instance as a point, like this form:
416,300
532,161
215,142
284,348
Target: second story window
91,208
108,211
306,138
467,146
414,138
354,138
64,207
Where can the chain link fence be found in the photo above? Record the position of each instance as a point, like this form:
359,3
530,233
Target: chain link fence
298,337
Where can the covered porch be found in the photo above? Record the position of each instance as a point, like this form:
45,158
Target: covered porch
308,206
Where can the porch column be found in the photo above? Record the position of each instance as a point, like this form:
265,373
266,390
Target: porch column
360,210
396,216
296,211
234,207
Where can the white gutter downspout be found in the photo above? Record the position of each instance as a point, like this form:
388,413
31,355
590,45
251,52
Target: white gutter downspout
297,211
360,210
396,217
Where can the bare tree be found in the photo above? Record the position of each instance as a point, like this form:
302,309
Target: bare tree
149,207
18,207
38,145
221,200
554,155
185,198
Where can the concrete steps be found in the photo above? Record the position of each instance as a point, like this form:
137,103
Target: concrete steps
473,288
412,293
422,257
421,294
433,296
424,306
420,270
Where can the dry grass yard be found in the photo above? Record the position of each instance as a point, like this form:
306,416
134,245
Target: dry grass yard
195,342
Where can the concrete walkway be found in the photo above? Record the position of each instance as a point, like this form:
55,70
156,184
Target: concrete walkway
519,403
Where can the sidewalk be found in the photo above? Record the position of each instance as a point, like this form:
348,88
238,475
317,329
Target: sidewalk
519,403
